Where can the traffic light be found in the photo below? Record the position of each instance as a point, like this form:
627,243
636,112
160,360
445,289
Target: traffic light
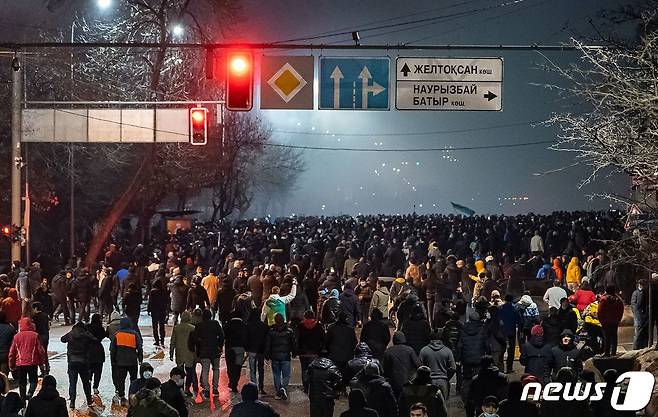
6,231
239,81
198,126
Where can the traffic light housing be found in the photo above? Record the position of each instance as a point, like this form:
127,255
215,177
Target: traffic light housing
239,81
11,232
198,126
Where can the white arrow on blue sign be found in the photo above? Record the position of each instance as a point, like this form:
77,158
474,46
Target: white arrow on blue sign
349,83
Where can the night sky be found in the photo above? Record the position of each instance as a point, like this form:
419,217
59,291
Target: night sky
489,181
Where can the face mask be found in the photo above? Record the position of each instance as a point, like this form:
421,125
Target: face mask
147,374
490,414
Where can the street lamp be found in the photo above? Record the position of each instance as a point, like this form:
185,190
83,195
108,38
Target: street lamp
177,30
104,4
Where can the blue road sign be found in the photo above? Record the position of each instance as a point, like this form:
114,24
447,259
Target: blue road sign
354,83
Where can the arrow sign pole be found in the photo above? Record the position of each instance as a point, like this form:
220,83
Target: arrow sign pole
336,75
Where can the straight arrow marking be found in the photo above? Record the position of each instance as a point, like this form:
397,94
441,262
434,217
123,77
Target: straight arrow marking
336,75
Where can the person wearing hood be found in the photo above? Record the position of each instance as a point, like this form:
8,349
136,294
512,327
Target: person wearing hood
340,343
310,342
416,329
536,356
12,406
208,340
96,350
378,391
24,291
330,307
552,327
553,295
147,402
566,354
511,319
42,295
11,305
276,304
611,311
250,405
529,315
157,308
567,316
488,381
179,346
421,390
472,346
47,402
256,334
25,355
178,293
583,297
513,406
145,373
132,303
279,344
441,362
236,344
376,334
356,365
399,363
78,342
358,407
171,391
125,353
114,325
59,296
349,304
574,274
322,383
380,300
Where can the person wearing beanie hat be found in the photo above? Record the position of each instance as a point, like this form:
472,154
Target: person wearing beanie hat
147,402
145,373
378,392
536,355
421,390
251,406
490,407
399,363
47,402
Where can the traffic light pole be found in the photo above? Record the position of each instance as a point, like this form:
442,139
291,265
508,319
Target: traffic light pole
16,160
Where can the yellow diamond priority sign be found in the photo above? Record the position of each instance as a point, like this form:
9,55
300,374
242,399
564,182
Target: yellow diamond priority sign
287,82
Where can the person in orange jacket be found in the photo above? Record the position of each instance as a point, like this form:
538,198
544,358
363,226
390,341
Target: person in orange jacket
26,354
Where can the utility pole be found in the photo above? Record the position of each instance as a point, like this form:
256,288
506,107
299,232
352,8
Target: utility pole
16,160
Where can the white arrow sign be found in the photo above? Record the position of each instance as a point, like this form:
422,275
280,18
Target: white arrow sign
336,75
365,88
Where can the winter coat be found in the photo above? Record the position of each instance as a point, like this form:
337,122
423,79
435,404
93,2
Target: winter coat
298,306
349,303
7,333
78,342
35,278
132,303
256,288
417,331
45,299
536,356
157,305
376,334
510,318
310,338
356,366
514,408
340,342
180,341
473,343
225,297
439,359
276,304
566,356
26,348
253,409
400,362
208,339
59,287
380,299
178,293
611,309
553,327
330,309
489,381
496,340
279,343
379,395
568,319
11,305
147,404
452,332
323,376
82,288
197,297
256,333
211,285
583,298
235,334
574,274
114,325
23,286
96,352
640,305
47,403
126,345
429,395
173,395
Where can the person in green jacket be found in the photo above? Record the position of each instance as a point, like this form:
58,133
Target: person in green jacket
275,304
179,345
147,402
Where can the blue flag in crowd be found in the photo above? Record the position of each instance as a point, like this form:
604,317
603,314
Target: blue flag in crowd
462,209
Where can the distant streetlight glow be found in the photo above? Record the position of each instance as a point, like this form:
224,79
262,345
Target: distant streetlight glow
104,4
178,30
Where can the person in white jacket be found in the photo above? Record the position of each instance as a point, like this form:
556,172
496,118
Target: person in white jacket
275,304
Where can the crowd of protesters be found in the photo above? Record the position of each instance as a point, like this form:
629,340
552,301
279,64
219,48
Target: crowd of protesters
387,310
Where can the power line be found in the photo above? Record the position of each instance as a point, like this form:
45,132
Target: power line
427,133
444,149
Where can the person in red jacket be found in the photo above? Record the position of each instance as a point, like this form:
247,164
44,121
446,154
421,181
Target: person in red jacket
25,355
611,310
11,305
583,297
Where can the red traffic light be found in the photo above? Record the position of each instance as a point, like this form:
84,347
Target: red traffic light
6,230
198,126
239,81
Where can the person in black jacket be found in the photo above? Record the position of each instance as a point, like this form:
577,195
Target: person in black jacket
340,343
349,304
471,347
251,406
47,402
323,380
278,349
42,295
157,308
78,339
132,302
376,334
96,350
42,327
358,406
7,332
197,296
225,296
488,381
256,333
417,329
512,406
209,341
236,343
378,392
310,341
399,363
171,391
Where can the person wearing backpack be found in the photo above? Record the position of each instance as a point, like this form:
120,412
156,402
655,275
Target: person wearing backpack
611,310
